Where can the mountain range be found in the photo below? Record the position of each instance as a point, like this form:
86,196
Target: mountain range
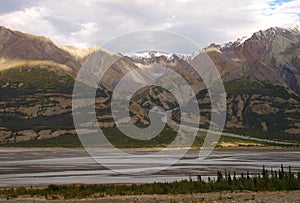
261,75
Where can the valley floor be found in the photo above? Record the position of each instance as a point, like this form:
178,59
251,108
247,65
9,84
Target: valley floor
236,196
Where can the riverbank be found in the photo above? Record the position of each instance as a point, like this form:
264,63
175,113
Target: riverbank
224,148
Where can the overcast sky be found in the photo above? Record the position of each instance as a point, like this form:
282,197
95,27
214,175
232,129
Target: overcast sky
86,22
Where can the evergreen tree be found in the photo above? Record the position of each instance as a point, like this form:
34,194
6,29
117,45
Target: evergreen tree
219,176
199,179
229,178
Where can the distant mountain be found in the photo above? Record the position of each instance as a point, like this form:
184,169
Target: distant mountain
261,75
270,56
19,47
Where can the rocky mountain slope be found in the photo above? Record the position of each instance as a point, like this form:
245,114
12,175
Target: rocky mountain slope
261,76
17,49
270,56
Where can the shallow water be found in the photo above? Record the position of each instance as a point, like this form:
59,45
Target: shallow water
62,166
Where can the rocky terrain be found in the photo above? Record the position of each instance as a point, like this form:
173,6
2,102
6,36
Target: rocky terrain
261,76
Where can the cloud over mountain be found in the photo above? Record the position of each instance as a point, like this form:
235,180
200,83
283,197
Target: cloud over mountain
83,23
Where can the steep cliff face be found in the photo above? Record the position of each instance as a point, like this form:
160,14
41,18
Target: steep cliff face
264,45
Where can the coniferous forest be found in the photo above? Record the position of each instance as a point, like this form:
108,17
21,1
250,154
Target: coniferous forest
267,180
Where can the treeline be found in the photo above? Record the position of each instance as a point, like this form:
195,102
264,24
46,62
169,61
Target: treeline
268,180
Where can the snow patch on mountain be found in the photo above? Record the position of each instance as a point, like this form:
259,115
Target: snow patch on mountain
155,54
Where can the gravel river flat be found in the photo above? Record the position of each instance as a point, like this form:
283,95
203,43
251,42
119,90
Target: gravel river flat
43,166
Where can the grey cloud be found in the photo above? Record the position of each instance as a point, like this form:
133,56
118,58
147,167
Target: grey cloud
202,21
62,25
148,15
203,36
151,40
13,5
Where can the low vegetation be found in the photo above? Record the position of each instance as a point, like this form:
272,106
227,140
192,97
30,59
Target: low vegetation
121,141
266,181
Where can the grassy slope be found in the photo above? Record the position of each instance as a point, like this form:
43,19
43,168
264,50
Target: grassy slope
277,122
24,81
